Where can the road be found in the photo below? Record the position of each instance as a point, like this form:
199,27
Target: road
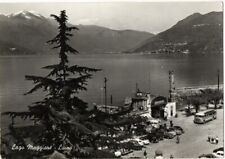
192,143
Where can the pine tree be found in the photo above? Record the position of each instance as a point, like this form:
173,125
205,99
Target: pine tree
62,114
61,118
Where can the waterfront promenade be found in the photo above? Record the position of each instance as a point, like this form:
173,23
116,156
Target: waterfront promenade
195,89
192,143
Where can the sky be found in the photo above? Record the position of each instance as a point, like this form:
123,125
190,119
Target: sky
152,17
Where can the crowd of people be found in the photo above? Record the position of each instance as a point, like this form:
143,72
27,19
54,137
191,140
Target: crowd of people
213,140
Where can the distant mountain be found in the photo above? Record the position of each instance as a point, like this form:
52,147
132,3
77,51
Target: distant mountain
196,34
99,39
28,31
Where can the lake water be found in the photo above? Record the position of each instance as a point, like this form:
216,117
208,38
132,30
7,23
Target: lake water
122,71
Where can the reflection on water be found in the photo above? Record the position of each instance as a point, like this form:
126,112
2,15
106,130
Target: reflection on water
122,71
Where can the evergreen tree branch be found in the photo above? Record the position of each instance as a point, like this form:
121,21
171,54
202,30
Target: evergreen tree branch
81,70
22,115
41,82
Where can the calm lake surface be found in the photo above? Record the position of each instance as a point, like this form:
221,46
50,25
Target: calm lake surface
122,71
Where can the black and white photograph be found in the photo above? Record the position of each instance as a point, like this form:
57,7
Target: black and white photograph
113,79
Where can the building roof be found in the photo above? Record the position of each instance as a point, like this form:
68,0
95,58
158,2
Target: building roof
139,98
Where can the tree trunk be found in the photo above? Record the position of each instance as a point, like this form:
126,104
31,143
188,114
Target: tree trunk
215,107
197,108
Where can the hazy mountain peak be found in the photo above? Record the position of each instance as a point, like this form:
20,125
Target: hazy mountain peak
29,30
195,34
188,19
26,14
214,13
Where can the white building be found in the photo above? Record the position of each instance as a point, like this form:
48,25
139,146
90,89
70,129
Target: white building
170,110
141,103
150,106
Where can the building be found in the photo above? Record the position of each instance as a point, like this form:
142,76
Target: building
141,103
146,104
158,105
170,110
161,108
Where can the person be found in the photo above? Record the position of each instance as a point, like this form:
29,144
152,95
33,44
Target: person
145,154
171,156
171,123
213,140
217,140
165,126
209,138
178,139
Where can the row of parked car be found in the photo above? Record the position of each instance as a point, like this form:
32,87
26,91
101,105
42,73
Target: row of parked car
217,153
135,143
160,133
154,136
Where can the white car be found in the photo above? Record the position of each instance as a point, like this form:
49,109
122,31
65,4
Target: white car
126,140
218,154
138,141
146,142
117,153
154,123
142,142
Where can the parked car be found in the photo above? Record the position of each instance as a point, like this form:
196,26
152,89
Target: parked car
134,142
169,134
142,140
125,151
146,142
219,149
144,137
206,156
154,123
152,138
218,154
212,105
190,110
139,141
219,106
135,145
117,153
158,133
176,129
126,140
172,132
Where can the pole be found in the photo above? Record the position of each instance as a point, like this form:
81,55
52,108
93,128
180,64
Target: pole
136,87
149,82
170,86
111,99
105,87
218,79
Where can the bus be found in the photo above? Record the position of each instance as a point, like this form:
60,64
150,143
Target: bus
205,116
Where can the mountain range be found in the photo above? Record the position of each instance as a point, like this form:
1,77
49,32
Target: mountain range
196,34
26,32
